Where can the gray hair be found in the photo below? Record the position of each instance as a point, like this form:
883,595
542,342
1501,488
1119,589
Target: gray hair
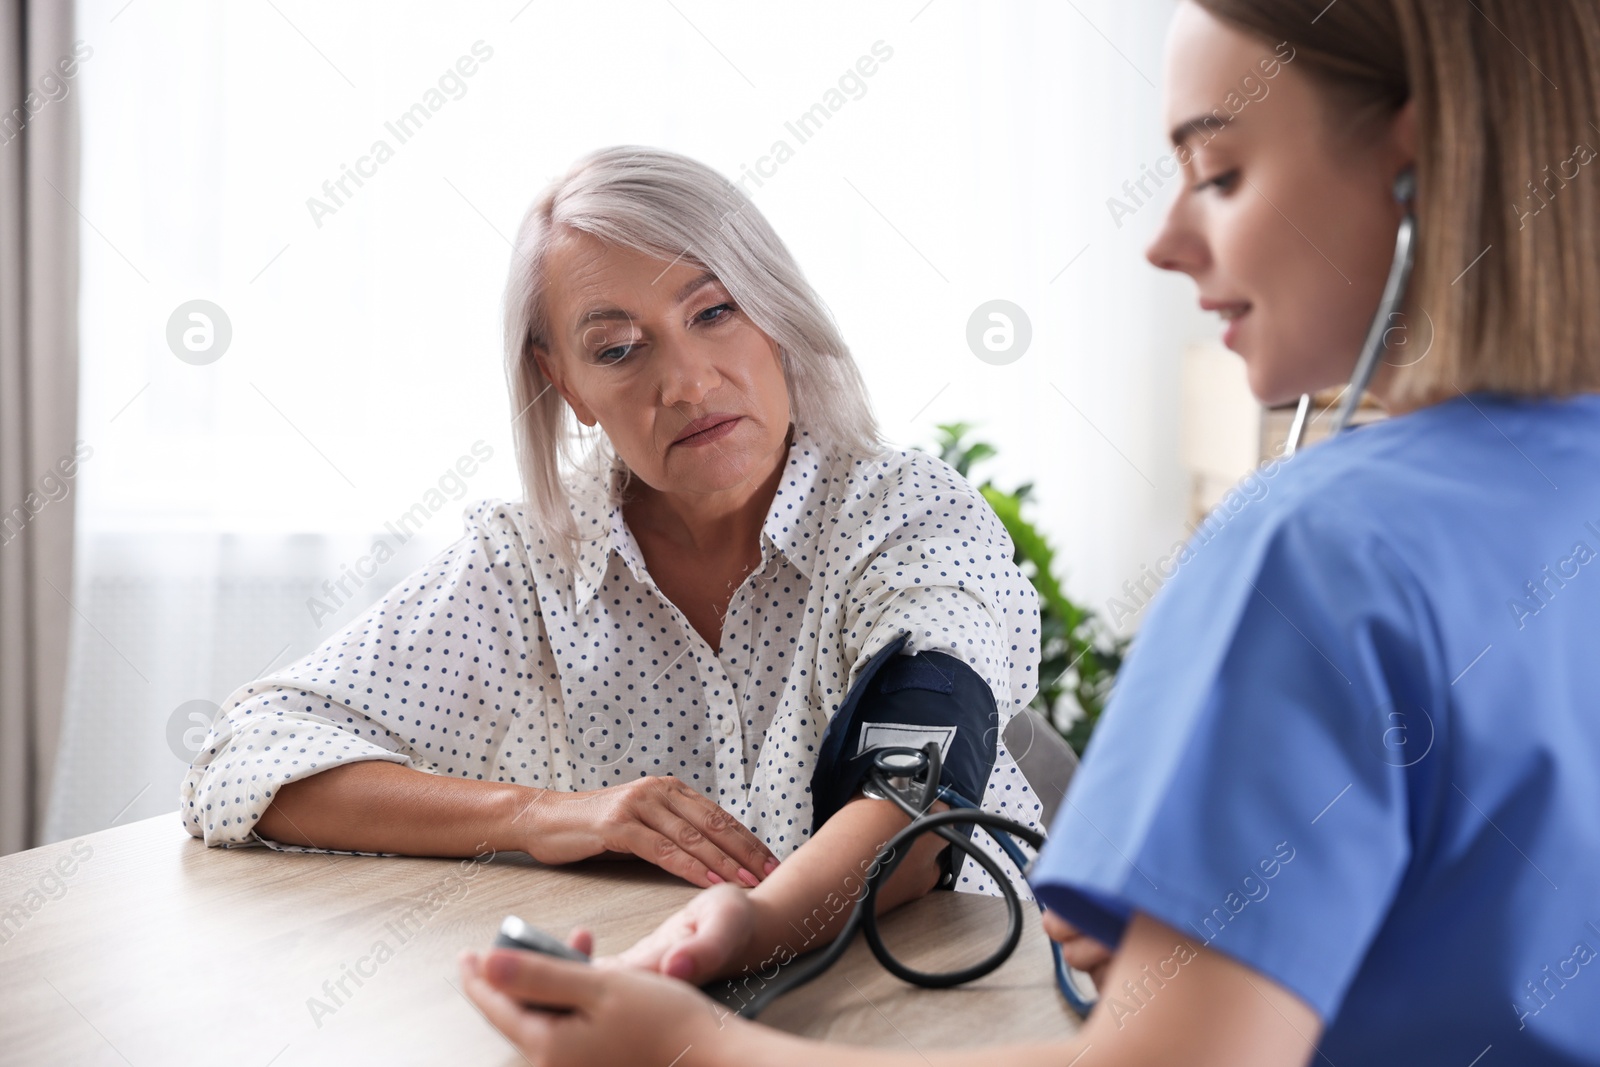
671,207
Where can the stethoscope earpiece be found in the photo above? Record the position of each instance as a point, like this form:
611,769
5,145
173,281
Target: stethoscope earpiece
1405,186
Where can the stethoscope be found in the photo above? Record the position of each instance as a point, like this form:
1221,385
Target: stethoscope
1394,294
910,778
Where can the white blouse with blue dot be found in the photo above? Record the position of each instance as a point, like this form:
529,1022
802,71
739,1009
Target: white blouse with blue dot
495,662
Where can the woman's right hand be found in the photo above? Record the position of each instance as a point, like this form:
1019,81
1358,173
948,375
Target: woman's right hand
705,939
612,1015
657,818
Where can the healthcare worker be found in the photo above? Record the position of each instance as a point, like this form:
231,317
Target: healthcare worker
1344,807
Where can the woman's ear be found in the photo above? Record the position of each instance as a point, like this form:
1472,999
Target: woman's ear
1403,133
541,356
788,385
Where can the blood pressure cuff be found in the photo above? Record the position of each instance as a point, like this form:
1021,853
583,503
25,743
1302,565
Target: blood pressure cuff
902,701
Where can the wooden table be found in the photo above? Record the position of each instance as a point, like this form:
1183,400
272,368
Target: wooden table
139,945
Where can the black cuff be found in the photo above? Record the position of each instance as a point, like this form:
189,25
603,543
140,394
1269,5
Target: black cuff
901,700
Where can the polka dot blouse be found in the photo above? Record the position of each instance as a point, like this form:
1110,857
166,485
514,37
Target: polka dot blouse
496,662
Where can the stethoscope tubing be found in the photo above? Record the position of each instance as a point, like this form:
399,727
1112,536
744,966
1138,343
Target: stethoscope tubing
863,918
1376,343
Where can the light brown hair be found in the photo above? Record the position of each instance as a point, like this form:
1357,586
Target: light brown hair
1507,96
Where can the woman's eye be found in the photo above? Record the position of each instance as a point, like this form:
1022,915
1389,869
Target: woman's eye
1223,182
715,314
614,354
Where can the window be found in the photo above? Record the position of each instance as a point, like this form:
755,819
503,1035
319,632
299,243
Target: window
934,156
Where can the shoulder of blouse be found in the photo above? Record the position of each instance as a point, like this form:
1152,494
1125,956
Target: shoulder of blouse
897,482
503,526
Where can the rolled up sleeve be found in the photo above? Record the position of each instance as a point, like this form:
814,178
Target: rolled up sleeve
432,677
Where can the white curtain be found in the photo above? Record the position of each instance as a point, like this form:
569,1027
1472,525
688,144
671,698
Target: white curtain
955,153
39,60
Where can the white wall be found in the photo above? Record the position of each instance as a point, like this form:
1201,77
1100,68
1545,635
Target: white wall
365,355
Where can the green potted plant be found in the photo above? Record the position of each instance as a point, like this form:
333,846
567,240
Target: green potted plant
1080,653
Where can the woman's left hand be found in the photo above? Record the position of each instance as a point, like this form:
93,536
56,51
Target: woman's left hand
707,938
613,1015
1081,951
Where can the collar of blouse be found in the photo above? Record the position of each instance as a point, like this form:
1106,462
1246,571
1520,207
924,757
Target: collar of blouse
793,522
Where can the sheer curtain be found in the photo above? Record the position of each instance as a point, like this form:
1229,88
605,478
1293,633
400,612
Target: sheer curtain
299,218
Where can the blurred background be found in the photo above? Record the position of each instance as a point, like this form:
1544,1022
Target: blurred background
272,370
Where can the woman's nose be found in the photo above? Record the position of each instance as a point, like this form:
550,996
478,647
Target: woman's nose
688,376
1176,246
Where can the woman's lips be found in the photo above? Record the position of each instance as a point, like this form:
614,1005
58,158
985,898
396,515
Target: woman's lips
706,430
1232,314
1231,334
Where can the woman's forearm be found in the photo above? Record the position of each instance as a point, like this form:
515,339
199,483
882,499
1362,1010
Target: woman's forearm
1216,1012
805,902
378,806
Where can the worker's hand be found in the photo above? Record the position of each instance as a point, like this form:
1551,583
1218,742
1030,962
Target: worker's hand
657,818
614,1015
1078,948
707,938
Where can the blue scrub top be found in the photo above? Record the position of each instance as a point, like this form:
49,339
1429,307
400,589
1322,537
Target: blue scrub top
1356,744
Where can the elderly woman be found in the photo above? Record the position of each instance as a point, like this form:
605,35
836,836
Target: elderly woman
646,655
